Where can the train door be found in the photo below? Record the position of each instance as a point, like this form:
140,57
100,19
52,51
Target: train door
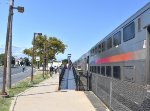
87,62
148,55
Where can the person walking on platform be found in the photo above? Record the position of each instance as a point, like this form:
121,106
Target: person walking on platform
51,71
70,65
55,69
65,66
23,68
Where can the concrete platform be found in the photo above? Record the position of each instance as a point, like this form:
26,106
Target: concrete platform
46,97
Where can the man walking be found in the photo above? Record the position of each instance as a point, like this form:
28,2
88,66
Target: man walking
51,71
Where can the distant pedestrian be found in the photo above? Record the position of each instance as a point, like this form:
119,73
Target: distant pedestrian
70,65
55,69
65,66
23,69
51,70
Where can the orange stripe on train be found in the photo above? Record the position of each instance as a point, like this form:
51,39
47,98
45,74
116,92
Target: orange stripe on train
117,58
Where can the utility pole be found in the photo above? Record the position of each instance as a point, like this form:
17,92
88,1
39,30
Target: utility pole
4,93
44,59
9,53
8,42
33,57
9,50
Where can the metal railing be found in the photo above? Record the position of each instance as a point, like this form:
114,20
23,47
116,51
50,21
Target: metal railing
83,81
79,83
77,78
61,77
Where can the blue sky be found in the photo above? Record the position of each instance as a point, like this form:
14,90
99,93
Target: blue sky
80,24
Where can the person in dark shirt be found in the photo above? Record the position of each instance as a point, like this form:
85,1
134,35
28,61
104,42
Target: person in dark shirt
51,70
23,68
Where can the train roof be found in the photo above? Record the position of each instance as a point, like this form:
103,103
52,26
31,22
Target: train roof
129,20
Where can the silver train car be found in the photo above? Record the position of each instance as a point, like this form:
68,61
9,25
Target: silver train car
120,64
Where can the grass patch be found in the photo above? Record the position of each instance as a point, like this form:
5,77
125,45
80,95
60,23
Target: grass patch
20,87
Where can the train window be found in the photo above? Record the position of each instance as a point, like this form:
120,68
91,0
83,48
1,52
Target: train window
98,69
109,43
139,24
94,69
117,39
96,50
99,48
90,69
129,32
103,46
108,71
103,70
116,72
91,52
148,29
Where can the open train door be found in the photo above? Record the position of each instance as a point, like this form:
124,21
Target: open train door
148,55
87,63
89,76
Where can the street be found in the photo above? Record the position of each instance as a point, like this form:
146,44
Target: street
17,74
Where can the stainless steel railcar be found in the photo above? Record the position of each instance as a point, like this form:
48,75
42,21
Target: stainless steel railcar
120,64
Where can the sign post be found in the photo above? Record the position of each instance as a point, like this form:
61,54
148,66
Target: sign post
38,60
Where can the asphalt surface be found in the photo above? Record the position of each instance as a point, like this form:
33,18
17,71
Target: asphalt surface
17,74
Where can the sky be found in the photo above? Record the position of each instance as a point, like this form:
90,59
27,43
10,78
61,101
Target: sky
80,24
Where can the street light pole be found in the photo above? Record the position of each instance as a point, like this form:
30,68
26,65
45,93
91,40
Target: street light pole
8,42
33,54
9,53
32,57
44,58
9,50
4,93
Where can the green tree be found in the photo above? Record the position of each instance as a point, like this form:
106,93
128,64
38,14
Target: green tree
28,51
53,46
12,60
2,59
65,61
26,61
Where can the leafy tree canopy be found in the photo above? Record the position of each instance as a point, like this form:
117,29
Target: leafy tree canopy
12,60
2,59
65,61
51,46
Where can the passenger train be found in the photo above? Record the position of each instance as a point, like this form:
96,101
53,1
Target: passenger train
120,64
